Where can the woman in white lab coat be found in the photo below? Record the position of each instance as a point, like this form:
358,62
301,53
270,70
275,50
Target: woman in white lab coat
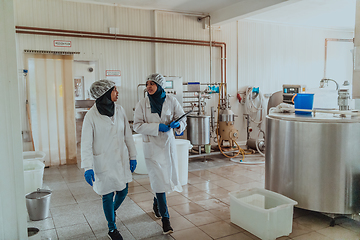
154,118
108,152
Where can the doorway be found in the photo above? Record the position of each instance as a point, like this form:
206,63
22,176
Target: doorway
85,73
51,103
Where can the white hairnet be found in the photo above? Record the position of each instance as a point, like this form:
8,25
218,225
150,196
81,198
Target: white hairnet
158,78
100,87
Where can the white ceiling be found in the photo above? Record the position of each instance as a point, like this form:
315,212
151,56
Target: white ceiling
336,14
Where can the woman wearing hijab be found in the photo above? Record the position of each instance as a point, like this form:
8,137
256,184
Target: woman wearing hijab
108,152
154,117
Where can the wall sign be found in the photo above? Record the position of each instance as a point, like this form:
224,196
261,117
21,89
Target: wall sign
60,43
114,75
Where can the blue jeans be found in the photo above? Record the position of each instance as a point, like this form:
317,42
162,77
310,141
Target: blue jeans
110,206
160,201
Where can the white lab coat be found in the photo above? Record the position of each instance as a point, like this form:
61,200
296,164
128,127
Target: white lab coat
107,146
160,147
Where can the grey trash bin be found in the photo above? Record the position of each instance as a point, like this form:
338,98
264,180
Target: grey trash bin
38,204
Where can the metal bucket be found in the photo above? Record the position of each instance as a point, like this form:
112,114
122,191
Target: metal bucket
198,129
38,204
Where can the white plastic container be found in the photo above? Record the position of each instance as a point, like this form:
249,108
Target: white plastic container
266,214
141,166
33,175
32,155
182,148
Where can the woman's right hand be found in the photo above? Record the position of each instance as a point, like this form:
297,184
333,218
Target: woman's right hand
163,127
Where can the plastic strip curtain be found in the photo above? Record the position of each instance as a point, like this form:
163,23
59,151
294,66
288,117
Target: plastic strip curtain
46,81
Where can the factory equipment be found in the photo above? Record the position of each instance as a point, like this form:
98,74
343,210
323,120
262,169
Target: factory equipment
312,160
253,101
225,128
198,130
289,90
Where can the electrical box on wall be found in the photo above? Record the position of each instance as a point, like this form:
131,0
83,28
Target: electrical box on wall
174,86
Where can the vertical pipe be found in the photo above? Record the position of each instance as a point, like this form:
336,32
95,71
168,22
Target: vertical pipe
210,40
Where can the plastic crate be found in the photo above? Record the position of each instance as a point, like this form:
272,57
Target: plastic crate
266,214
33,175
32,155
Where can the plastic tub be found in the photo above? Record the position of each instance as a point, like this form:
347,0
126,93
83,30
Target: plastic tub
38,204
34,155
182,148
266,214
303,101
33,175
141,166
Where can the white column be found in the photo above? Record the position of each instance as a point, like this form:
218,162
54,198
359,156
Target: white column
13,224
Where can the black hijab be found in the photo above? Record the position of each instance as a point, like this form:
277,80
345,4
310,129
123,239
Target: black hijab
157,100
105,105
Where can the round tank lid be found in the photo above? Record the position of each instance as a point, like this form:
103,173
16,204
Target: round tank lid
319,117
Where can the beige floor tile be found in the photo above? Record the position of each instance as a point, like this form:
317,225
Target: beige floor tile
196,179
204,186
237,236
202,218
176,200
172,194
338,232
146,205
137,189
180,223
198,196
211,204
225,200
200,173
188,208
173,213
218,192
298,230
134,183
148,187
221,212
191,234
143,181
351,225
312,236
225,183
313,221
189,188
219,229
233,188
141,197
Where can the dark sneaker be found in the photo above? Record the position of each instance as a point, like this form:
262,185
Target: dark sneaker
156,211
115,235
167,229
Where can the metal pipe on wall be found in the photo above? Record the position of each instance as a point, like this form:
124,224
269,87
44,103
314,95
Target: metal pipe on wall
122,37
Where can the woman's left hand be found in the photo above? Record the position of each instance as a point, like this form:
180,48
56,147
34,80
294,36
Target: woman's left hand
174,124
133,164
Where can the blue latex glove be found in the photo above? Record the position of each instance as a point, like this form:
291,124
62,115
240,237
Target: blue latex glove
163,127
132,165
174,124
89,176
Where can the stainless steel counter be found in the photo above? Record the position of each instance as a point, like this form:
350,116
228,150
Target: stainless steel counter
314,160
